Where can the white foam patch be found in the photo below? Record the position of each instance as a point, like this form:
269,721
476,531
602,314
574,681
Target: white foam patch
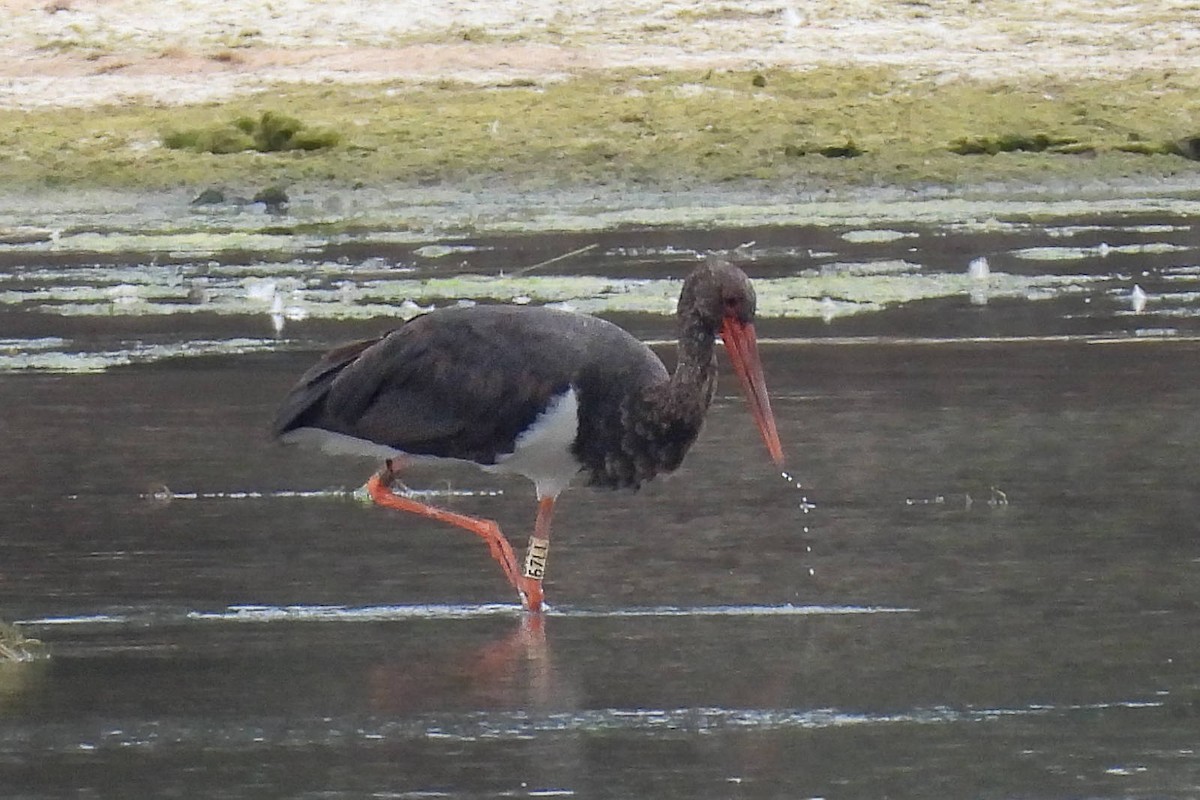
83,619
260,614
736,611
305,613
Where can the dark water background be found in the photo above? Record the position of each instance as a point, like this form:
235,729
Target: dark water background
993,589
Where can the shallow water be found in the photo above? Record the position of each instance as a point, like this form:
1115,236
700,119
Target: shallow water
986,585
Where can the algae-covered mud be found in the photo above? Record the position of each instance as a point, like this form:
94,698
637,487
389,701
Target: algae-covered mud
91,294
15,647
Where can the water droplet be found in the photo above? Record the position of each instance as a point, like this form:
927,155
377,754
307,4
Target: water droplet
1137,299
979,269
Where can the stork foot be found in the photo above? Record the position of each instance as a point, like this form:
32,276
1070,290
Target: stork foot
530,590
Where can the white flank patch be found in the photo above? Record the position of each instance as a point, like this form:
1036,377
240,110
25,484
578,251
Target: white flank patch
338,444
542,453
341,444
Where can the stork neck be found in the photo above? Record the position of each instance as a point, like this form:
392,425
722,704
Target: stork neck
650,431
694,378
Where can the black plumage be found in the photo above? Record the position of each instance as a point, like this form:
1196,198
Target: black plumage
464,383
471,383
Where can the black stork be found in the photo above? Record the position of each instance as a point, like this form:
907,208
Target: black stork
530,391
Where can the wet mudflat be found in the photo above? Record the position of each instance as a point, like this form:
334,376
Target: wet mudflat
986,585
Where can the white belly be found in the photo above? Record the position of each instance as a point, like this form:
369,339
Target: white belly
542,453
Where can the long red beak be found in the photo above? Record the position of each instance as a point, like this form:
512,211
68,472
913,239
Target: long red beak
742,345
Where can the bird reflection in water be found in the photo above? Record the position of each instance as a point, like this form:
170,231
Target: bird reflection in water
513,671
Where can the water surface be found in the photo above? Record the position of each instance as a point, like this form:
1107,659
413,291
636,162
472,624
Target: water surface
986,584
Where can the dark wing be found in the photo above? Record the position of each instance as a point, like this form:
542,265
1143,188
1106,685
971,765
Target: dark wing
455,383
305,401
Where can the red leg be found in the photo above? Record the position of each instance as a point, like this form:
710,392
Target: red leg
535,559
379,488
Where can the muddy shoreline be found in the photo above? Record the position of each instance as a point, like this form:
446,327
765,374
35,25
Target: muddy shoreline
689,105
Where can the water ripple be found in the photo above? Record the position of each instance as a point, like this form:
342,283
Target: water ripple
231,735
335,613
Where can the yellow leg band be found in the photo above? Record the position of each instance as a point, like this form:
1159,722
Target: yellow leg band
535,558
